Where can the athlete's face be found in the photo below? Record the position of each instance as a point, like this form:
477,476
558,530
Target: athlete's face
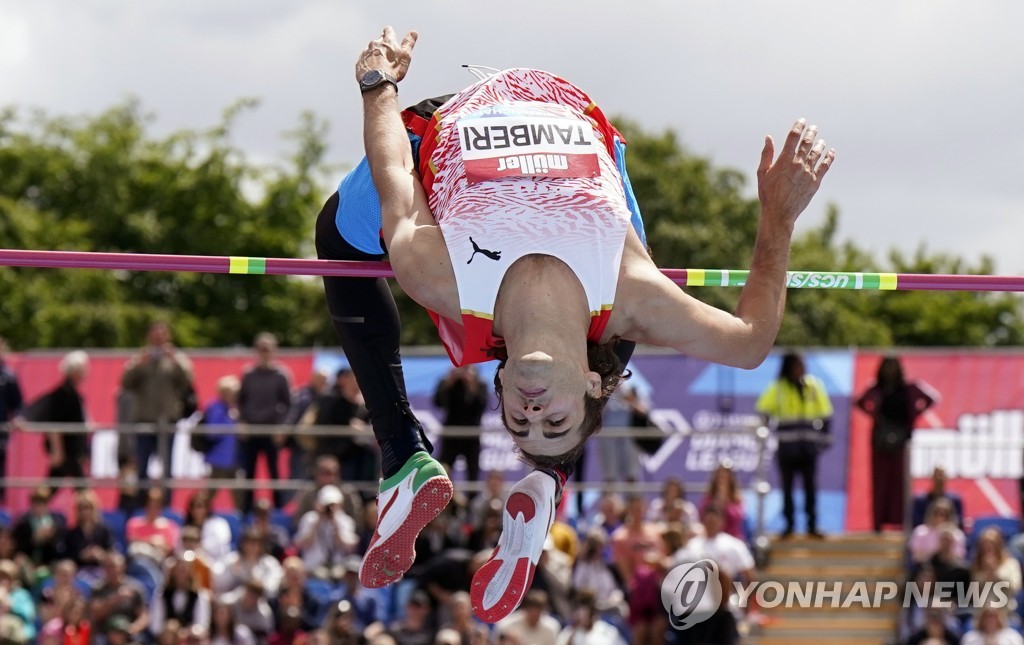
542,402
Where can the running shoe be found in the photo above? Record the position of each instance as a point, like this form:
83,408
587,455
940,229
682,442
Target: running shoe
499,586
408,501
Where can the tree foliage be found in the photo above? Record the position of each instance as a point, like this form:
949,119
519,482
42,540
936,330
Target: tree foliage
101,183
104,183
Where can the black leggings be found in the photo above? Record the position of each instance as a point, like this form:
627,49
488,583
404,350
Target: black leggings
366,319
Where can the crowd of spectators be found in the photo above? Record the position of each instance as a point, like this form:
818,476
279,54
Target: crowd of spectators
283,568
191,575
940,551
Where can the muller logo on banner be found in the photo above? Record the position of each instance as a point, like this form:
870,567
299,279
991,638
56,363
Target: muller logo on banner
527,145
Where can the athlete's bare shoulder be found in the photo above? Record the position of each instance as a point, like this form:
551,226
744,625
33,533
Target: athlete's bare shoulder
637,274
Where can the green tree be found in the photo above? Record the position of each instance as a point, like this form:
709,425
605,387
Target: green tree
102,183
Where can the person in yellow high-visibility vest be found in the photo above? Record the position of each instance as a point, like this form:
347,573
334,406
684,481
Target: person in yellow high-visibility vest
801,412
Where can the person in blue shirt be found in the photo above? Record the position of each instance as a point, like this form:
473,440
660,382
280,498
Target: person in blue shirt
221,448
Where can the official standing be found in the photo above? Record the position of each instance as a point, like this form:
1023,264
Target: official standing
798,406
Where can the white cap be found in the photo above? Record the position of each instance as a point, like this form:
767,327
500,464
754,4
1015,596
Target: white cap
328,495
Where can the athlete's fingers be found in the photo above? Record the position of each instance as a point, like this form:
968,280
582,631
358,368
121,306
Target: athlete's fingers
807,141
789,149
410,40
767,154
815,154
826,163
389,35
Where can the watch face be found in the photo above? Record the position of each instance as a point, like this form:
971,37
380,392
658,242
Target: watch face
372,78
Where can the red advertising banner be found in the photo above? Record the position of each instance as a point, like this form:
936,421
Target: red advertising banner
975,431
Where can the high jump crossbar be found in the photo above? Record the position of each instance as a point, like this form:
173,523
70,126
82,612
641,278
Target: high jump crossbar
684,277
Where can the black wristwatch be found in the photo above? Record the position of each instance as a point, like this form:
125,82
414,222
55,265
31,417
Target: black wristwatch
374,78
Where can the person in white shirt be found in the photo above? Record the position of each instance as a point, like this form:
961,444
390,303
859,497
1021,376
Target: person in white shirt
326,534
731,553
587,628
991,627
250,562
531,623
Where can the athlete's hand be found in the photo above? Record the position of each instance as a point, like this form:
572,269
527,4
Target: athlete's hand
786,186
386,54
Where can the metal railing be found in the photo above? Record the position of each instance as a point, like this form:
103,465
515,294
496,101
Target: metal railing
167,431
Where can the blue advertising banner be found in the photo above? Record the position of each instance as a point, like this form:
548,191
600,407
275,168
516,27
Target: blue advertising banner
689,399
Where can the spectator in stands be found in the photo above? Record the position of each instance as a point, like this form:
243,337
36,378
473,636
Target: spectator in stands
635,539
19,600
586,628
948,562
799,406
343,405
68,451
462,396
294,594
724,491
340,625
414,628
179,599
159,379
224,630
59,592
531,623
191,550
119,599
151,533
494,489
993,562
250,562
39,534
730,552
486,534
214,531
734,559
461,620
289,629
992,626
366,607
636,545
10,406
619,455
218,441
70,626
250,607
302,415
671,492
327,472
937,491
90,538
610,511
592,573
263,399
894,405
936,629
924,541
326,535
276,539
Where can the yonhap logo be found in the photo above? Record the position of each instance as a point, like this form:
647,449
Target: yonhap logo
691,593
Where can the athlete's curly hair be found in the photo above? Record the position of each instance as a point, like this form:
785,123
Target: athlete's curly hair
601,359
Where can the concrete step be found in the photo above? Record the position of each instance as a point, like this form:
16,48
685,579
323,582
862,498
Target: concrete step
847,638
830,624
814,571
826,559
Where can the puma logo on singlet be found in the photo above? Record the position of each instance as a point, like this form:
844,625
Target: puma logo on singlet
494,255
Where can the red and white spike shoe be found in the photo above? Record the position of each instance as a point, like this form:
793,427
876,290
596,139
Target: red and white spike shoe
499,586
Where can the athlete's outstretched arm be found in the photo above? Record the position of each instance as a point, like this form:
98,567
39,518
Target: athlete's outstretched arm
415,244
674,319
